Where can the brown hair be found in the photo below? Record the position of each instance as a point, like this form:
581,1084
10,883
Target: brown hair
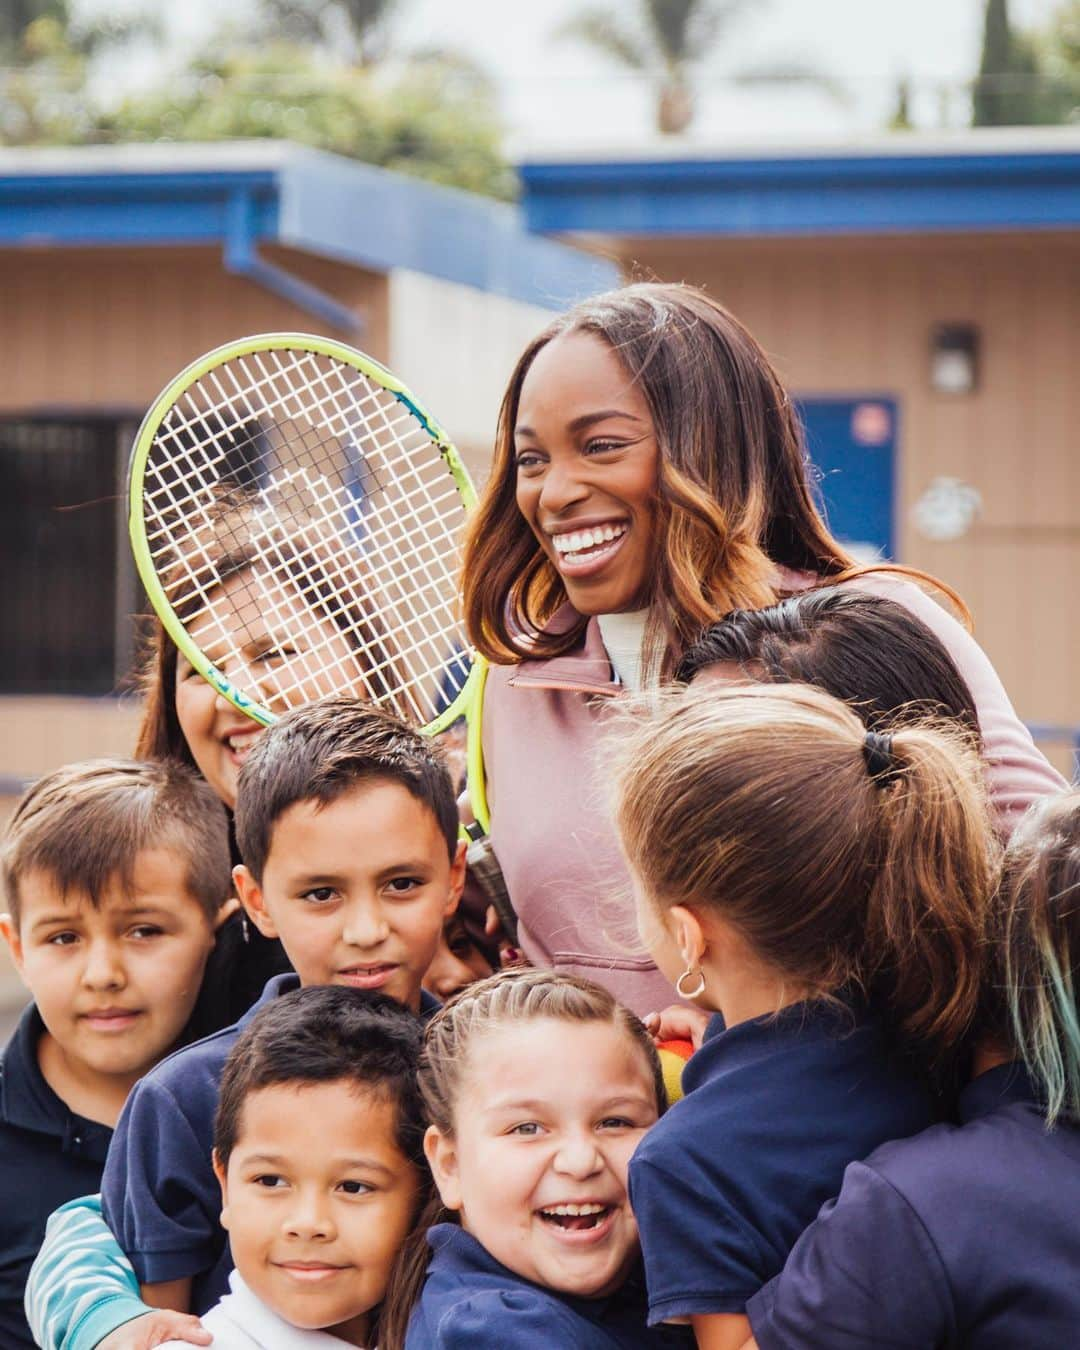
327,1034
85,824
762,803
511,996
733,496
871,652
159,735
1030,999
320,751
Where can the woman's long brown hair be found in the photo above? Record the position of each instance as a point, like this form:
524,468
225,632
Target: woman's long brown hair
734,494
756,803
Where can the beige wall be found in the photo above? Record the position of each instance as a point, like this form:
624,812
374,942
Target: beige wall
106,328
102,330
456,346
853,316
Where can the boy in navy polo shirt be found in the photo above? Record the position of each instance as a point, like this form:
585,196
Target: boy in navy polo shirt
347,821
116,874
968,1236
318,1147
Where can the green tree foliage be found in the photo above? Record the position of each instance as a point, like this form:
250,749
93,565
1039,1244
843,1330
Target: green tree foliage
421,118
1027,78
432,115
665,40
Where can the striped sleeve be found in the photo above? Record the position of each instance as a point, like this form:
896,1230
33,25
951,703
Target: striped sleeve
81,1286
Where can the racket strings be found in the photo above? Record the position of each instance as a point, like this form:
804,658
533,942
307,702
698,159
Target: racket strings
303,509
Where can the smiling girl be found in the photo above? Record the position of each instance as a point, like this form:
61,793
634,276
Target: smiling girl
537,1245
649,476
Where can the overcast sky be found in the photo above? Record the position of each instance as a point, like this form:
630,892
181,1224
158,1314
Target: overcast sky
556,94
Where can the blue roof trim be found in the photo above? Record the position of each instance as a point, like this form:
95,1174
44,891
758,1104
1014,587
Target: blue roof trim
81,210
311,201
442,232
830,194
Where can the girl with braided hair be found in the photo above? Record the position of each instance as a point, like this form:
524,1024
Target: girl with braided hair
532,1243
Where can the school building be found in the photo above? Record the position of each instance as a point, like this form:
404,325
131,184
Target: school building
118,267
921,298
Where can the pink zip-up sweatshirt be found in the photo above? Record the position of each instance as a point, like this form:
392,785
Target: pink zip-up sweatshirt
551,827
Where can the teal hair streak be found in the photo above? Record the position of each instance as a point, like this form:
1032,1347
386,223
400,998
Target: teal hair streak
1047,1029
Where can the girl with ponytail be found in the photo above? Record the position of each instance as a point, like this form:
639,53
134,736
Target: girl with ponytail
967,1235
821,889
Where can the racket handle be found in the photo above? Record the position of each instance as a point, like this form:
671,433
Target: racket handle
484,867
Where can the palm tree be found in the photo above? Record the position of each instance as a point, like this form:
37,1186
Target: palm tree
26,26
665,40
356,29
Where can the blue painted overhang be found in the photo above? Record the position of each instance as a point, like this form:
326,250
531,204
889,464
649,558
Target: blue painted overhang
898,189
290,195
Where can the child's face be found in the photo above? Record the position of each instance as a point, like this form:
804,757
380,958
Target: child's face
357,890
317,1200
458,961
239,618
114,983
548,1115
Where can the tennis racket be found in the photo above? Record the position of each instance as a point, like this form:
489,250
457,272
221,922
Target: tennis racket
296,519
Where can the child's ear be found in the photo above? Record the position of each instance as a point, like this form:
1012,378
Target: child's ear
457,879
688,933
441,1153
10,930
251,897
223,1182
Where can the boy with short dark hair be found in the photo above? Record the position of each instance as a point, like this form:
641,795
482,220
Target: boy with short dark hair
347,822
116,875
318,1148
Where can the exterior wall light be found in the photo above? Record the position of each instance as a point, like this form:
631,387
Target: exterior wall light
954,358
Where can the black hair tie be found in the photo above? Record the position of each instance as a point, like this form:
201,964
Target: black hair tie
880,760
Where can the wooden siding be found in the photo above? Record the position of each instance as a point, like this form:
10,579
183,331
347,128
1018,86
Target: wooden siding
854,316
104,329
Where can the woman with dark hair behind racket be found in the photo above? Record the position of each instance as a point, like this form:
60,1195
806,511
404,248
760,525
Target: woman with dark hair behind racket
649,477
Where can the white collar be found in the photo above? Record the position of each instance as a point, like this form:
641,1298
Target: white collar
624,637
263,1327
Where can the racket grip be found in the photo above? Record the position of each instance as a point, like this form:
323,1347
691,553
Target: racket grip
484,867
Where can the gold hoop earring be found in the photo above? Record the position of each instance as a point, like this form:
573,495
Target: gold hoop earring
693,993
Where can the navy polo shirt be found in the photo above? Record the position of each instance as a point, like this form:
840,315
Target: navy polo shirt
774,1110
48,1156
964,1236
159,1193
472,1302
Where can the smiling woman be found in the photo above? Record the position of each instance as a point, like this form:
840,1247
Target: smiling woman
649,477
